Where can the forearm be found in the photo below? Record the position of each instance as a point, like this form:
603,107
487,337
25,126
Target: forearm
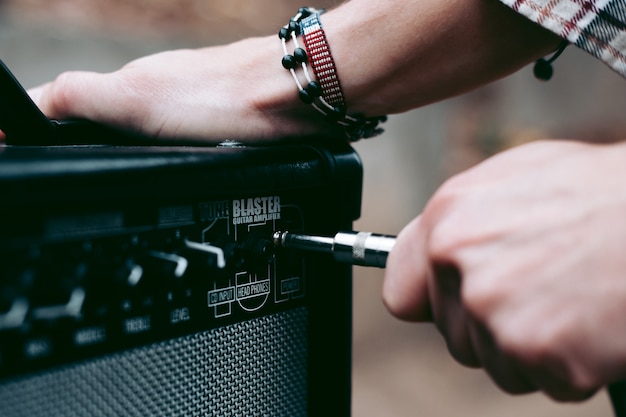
391,56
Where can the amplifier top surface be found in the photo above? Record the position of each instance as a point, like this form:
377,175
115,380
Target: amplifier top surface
25,161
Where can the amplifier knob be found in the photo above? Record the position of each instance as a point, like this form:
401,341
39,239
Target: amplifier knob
16,315
215,253
16,283
58,287
133,273
166,263
72,309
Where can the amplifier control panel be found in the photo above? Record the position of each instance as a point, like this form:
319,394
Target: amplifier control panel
81,284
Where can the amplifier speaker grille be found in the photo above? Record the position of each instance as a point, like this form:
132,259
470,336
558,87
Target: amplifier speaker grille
251,368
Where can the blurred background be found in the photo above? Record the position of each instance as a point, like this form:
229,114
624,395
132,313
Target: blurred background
399,369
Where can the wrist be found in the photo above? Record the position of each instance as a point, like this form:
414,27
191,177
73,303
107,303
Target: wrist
272,95
313,70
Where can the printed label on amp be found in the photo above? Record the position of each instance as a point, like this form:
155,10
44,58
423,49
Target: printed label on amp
254,210
257,284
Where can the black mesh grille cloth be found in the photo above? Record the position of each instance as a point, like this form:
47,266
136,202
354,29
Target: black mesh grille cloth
252,368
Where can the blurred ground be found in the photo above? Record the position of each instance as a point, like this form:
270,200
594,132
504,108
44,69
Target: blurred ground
400,369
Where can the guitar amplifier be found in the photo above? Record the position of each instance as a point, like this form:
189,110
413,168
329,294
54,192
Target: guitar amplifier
141,281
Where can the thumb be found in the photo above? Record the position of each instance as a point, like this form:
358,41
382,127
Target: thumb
75,94
405,290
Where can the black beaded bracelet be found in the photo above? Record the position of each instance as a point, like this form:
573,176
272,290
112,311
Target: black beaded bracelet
323,94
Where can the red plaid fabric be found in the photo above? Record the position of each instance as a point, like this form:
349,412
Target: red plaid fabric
596,26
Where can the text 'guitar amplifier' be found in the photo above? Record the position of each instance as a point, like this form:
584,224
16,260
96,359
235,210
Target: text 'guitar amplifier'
140,281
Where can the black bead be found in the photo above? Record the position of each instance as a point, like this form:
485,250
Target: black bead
356,132
338,113
543,70
289,62
294,27
283,33
306,97
304,12
300,55
314,88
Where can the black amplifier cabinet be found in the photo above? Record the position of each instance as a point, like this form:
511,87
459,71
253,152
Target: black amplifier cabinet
141,281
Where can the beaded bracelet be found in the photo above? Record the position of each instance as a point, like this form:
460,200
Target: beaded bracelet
321,60
325,94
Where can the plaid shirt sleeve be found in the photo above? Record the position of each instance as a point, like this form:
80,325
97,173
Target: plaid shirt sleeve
596,26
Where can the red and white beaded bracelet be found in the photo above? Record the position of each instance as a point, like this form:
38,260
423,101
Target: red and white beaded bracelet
321,60
325,94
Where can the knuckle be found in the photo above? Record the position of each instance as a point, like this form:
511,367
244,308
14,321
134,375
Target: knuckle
582,382
528,341
139,97
443,241
493,298
543,353
482,295
445,233
63,91
582,389
452,218
520,342
568,392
